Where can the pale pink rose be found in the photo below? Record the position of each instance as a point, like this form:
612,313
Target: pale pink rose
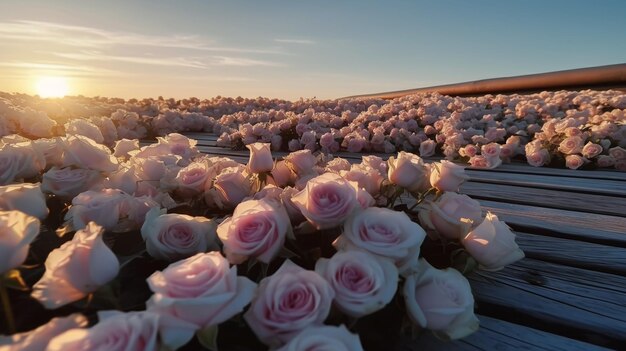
408,171
324,338
327,200
102,207
260,158
480,161
173,236
605,161
257,229
180,145
492,244
83,152
294,145
571,145
130,331
17,231
37,339
364,198
68,182
18,161
191,180
288,302
51,149
430,130
308,137
293,211
427,148
337,164
375,162
451,216
281,175
363,283
84,128
202,289
575,161
366,177
301,162
440,300
124,147
383,232
124,178
447,176
491,150
507,151
326,140
229,188
538,158
617,153
356,144
24,197
76,269
468,150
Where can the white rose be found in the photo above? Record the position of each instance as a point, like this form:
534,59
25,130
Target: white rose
17,231
68,182
363,283
447,176
83,152
492,244
230,187
191,180
451,216
27,198
301,162
18,161
408,171
102,207
260,158
174,236
385,233
84,128
124,147
366,177
440,300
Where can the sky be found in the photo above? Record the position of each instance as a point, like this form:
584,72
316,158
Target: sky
292,49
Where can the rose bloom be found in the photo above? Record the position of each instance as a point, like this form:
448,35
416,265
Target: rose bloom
173,236
202,289
51,149
324,338
123,147
301,162
451,216
538,158
17,231
408,171
256,229
447,176
605,161
480,161
260,158
363,283
617,153
102,207
124,178
130,331
281,175
441,300
83,152
575,161
491,150
76,269
571,145
338,164
287,302
230,187
468,151
383,232
366,177
38,339
24,197
19,161
191,180
84,128
68,182
327,200
492,244
591,150
427,148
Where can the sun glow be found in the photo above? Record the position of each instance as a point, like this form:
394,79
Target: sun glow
52,87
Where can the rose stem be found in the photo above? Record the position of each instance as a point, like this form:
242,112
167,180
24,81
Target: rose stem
6,305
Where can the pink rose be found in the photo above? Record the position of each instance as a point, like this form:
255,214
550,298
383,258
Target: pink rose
282,175
24,197
38,339
363,283
591,150
301,162
174,236
288,302
191,180
480,161
427,148
69,182
327,200
338,164
260,158
468,151
257,229
440,300
538,158
124,147
18,161
492,244
229,188
202,289
383,232
366,177
83,152
84,128
605,161
102,207
324,338
575,161
76,269
451,216
447,176
617,153
491,150
17,230
571,145
51,149
124,178
408,171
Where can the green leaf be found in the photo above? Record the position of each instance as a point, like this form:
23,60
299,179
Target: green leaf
208,337
13,280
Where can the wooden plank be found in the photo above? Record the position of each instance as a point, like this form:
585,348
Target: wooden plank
590,203
573,302
603,258
601,229
495,334
580,185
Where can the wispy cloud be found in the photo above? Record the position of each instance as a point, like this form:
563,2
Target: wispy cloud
295,41
145,60
239,61
63,69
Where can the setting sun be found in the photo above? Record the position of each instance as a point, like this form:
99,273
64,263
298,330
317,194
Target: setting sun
48,87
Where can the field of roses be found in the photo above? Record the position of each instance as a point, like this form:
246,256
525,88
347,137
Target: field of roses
161,247
577,130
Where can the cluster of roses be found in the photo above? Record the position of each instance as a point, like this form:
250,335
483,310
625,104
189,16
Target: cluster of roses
254,210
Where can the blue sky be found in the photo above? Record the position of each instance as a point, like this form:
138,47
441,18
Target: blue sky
292,49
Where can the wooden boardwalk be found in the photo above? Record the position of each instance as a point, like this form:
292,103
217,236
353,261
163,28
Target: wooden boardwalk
569,293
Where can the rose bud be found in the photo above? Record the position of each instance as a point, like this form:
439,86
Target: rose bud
451,216
447,176
408,171
26,198
260,158
17,231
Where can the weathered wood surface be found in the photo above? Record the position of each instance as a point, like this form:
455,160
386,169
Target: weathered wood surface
569,293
